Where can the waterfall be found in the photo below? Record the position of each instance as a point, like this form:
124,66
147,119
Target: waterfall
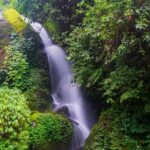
66,95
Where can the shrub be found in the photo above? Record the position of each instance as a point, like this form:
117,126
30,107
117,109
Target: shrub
29,45
48,127
17,68
14,120
117,130
51,26
37,95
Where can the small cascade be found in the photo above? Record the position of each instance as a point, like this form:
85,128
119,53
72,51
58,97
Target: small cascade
67,96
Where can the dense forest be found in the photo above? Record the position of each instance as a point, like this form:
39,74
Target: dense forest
107,43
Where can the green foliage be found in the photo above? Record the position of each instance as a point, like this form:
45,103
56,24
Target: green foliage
61,12
51,26
14,120
29,45
99,138
56,16
110,57
107,36
12,3
49,128
7,3
113,132
1,4
37,95
84,49
129,82
17,68
21,55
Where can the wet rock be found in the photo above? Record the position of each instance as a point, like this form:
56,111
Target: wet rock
63,110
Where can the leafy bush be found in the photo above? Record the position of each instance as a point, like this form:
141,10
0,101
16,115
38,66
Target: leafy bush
51,26
61,12
37,95
17,68
107,39
110,57
14,120
129,81
21,55
113,132
29,44
1,4
48,127
6,3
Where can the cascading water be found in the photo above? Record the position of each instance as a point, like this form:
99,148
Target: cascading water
66,95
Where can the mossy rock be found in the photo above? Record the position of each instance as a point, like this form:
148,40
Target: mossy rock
15,19
50,131
112,133
99,137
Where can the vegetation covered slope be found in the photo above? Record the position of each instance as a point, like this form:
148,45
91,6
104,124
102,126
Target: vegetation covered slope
110,55
24,92
14,120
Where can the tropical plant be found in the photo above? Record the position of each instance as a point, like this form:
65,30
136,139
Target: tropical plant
14,120
17,69
109,53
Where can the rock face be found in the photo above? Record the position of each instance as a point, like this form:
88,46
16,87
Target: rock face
4,36
4,31
4,40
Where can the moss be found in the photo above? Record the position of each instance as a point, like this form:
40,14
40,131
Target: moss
37,95
49,130
51,26
14,18
112,133
99,138
53,29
